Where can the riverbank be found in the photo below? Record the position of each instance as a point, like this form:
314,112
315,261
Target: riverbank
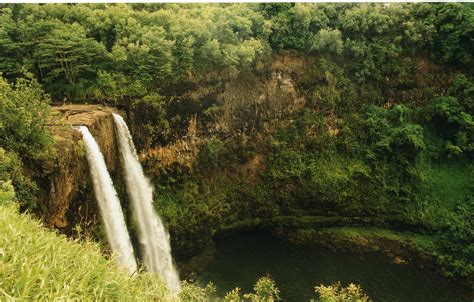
403,247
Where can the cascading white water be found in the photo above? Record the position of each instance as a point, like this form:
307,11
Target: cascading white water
153,237
109,204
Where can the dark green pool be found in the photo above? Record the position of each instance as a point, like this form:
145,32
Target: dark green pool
241,259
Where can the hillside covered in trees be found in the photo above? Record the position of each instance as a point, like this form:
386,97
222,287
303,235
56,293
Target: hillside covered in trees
296,117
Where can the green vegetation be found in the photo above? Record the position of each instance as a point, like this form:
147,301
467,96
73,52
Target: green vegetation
335,292
457,246
37,264
24,112
24,137
359,234
265,290
114,52
359,113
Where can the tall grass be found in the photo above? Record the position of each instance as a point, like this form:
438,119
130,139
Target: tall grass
38,264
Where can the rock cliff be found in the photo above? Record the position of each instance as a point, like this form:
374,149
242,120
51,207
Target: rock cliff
65,196
248,104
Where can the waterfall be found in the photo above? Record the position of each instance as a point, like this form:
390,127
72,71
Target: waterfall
109,204
153,237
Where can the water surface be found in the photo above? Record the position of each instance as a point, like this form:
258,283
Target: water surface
240,260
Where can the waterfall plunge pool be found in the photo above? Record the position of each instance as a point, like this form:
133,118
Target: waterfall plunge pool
241,259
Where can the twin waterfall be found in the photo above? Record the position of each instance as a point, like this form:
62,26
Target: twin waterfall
109,204
154,239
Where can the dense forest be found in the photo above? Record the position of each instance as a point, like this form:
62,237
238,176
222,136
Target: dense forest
298,116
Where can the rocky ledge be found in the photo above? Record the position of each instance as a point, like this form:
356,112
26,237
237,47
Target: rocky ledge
65,197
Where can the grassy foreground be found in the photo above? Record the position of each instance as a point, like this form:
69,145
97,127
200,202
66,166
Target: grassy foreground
38,264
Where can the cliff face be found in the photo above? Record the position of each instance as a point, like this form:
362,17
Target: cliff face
246,105
249,105
65,196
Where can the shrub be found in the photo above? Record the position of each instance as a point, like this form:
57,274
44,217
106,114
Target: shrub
11,175
265,290
193,293
457,243
210,156
24,110
7,193
454,125
337,293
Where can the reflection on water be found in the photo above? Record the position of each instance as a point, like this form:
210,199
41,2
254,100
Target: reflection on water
240,260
